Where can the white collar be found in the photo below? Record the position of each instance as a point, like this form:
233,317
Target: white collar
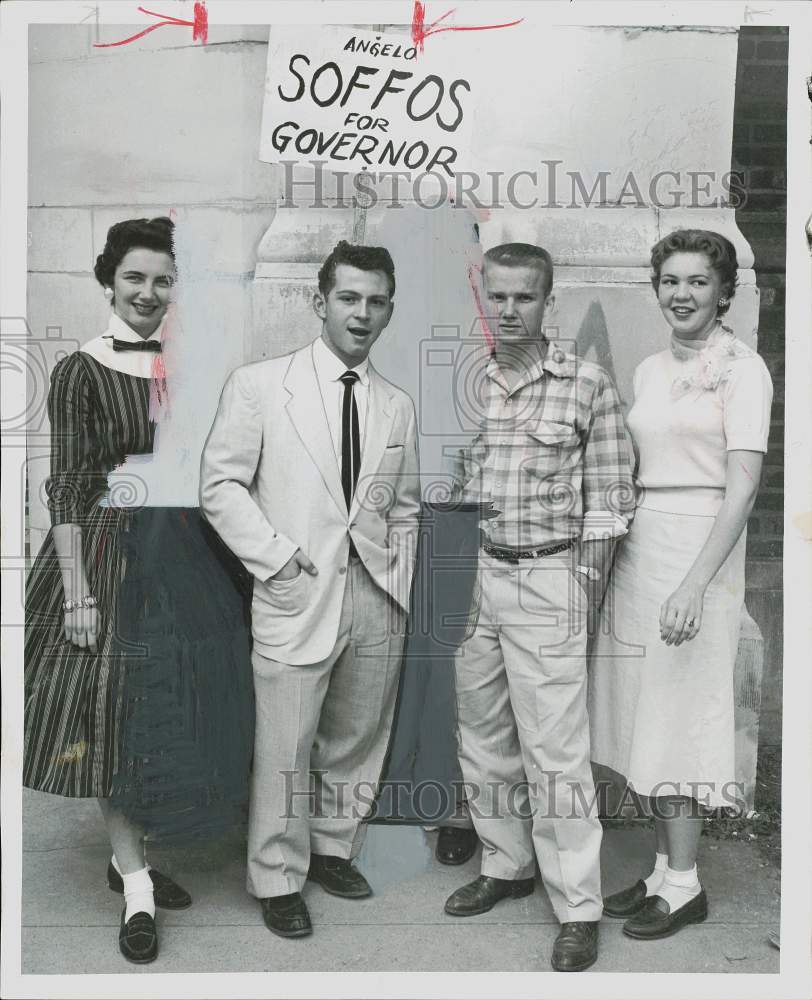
138,363
330,368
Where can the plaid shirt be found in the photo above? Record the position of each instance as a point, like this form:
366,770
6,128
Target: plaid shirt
553,454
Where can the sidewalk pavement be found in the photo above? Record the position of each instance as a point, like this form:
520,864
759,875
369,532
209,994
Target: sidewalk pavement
401,927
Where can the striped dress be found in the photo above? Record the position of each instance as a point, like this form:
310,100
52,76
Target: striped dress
160,717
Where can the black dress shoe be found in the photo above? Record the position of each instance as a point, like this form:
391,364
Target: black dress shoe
455,845
484,893
137,938
287,915
627,901
168,894
656,920
576,947
338,876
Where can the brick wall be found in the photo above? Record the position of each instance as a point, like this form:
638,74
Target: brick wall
759,156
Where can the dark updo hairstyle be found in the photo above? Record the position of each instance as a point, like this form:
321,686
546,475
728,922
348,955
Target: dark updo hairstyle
355,255
147,234
717,248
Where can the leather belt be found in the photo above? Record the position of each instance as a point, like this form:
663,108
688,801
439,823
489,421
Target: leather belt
514,555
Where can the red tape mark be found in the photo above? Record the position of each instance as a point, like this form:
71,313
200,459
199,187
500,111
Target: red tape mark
200,27
474,273
420,32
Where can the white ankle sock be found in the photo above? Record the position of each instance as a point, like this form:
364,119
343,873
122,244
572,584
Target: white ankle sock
655,880
138,894
679,888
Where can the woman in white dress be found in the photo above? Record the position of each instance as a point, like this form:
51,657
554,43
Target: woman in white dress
661,676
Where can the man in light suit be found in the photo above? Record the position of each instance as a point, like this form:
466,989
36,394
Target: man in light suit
310,476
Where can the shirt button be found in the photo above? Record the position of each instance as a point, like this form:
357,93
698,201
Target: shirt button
342,570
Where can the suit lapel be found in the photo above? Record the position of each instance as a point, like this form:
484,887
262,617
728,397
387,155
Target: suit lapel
306,411
380,418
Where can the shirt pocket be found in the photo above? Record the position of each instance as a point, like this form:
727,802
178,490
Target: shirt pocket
551,446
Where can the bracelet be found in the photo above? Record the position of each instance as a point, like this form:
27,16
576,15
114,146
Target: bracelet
88,601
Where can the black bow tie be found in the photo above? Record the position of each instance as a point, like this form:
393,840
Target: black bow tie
137,345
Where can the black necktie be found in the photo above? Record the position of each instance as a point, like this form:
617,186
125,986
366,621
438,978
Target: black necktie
350,438
137,345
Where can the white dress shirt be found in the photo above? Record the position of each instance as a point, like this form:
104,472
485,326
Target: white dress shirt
329,370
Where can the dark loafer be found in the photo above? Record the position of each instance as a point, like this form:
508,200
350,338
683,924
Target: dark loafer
576,947
168,894
656,920
138,939
338,877
456,845
484,893
287,915
627,901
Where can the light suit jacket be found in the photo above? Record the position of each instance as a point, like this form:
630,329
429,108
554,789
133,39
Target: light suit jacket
270,483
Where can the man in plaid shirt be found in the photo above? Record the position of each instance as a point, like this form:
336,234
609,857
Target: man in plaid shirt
554,458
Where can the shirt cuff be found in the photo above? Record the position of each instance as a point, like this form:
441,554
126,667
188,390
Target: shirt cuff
601,524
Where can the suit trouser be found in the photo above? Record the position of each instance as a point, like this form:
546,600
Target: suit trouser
321,737
524,732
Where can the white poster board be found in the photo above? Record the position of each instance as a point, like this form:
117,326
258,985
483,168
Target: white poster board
361,100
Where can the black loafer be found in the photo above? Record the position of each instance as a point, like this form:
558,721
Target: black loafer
627,901
455,845
168,894
338,877
138,939
656,920
576,947
484,893
287,915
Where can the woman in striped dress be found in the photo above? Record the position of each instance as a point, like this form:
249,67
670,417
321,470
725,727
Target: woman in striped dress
137,680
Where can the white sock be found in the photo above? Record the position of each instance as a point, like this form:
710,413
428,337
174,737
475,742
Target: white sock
655,880
679,888
138,894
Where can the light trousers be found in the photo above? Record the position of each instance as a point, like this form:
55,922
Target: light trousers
524,733
322,732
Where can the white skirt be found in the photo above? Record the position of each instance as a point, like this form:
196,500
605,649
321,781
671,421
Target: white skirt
662,716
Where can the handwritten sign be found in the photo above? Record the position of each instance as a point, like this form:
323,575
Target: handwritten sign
362,100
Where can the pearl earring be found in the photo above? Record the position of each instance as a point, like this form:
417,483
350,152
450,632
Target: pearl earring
722,302
108,293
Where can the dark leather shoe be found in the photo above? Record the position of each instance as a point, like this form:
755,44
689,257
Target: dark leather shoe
656,920
455,845
137,938
484,893
576,947
338,876
168,894
627,901
287,915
